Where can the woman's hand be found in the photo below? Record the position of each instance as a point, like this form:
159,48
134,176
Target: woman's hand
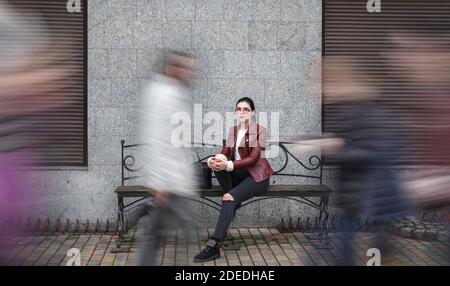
218,165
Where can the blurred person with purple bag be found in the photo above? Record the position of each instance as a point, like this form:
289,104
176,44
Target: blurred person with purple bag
28,80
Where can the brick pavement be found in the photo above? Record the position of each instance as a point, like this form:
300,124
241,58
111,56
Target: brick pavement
256,246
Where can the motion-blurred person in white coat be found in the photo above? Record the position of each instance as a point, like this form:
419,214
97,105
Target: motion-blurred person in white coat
168,171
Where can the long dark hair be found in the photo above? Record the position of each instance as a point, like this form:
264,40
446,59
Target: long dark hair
249,101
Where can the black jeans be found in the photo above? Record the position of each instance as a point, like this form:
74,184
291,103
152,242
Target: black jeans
242,187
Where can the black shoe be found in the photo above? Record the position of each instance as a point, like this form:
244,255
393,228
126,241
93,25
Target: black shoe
210,252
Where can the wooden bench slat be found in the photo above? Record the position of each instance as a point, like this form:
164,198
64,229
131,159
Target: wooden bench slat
216,191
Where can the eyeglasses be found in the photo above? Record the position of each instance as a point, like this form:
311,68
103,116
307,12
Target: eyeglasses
245,109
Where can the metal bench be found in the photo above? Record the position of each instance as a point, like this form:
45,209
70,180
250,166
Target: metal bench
300,193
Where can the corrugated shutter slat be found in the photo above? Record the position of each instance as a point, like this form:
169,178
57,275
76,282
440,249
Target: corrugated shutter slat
350,30
61,132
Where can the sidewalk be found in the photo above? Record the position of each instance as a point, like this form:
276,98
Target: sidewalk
258,246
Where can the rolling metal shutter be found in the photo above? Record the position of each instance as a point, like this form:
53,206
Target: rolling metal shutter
350,30
60,133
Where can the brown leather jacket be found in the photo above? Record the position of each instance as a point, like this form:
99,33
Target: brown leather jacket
251,151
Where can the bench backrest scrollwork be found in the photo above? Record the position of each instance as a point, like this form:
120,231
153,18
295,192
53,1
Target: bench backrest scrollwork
313,165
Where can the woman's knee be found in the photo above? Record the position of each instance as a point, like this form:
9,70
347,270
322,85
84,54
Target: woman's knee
228,197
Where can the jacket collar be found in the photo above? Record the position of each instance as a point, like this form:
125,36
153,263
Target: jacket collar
252,132
252,128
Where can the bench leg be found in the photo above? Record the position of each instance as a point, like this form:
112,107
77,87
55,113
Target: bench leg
120,226
324,215
120,221
322,237
323,207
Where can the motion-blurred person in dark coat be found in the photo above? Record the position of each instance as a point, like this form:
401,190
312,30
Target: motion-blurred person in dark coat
360,148
424,65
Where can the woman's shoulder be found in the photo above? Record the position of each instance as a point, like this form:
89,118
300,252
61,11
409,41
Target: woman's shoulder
261,127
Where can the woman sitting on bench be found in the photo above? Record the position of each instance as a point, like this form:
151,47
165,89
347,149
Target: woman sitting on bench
242,172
